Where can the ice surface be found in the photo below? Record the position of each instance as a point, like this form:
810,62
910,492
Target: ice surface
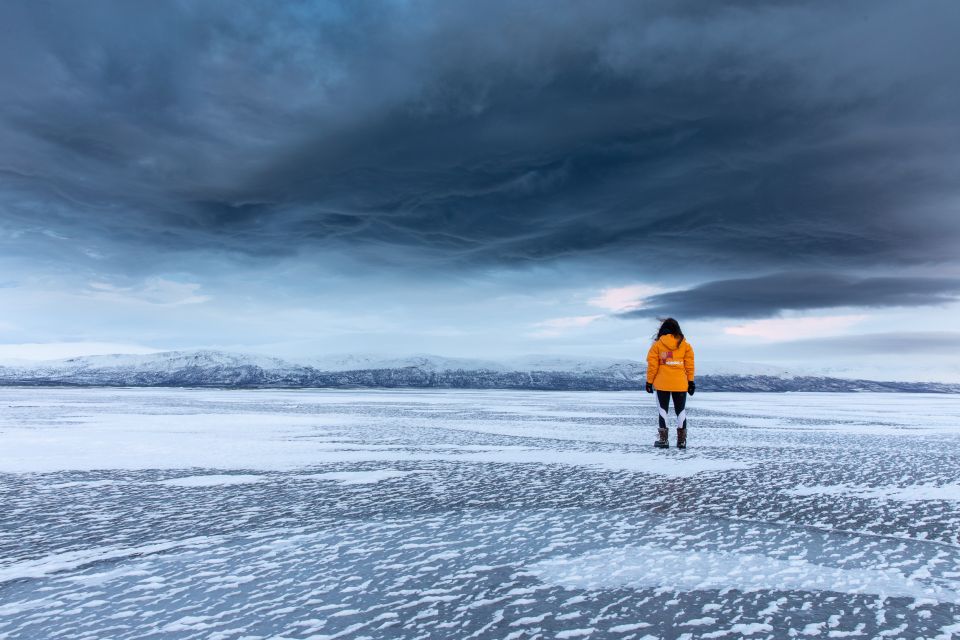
133,513
216,480
266,440
910,493
656,566
359,477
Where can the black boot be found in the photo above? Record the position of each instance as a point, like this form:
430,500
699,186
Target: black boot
662,442
681,438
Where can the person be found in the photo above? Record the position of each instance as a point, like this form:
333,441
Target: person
670,374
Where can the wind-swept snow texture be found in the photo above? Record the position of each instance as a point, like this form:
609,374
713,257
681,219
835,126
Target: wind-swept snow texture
166,513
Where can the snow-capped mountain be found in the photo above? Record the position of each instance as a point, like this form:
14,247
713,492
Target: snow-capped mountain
225,369
170,368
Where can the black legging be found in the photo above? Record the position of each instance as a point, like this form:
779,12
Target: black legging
679,406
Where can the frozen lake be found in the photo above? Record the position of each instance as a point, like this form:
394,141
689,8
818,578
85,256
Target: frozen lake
167,513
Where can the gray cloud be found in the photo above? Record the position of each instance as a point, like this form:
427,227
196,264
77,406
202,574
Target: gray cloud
752,136
768,295
905,343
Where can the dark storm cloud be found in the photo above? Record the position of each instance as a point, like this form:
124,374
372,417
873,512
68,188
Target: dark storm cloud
747,136
767,295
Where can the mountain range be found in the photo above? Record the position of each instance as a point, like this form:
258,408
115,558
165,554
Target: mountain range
207,368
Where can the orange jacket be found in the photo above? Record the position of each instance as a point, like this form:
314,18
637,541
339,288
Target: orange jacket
669,366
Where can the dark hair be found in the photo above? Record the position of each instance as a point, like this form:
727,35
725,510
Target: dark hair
669,326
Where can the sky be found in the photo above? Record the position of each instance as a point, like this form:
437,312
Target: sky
483,179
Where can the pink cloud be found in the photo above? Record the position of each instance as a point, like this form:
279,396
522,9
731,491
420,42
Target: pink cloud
779,329
158,291
619,299
557,326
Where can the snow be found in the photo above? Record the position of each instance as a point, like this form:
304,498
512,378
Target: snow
359,477
212,480
576,633
165,360
134,368
624,628
651,566
280,441
426,362
911,493
86,484
258,514
742,629
59,562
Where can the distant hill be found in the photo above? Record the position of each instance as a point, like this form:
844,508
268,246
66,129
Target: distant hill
225,369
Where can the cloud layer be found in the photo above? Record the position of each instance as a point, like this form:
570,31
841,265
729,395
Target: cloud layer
909,345
768,295
679,137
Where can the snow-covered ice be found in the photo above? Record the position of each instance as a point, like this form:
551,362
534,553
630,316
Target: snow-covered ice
359,477
213,480
688,569
172,513
903,494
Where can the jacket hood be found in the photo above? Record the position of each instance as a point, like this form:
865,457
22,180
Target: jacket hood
669,342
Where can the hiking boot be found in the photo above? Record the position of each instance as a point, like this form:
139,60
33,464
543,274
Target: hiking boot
682,438
662,442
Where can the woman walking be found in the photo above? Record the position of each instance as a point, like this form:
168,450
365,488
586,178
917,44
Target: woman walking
670,374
